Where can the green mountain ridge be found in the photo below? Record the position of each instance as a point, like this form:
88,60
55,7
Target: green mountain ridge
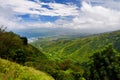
78,49
63,57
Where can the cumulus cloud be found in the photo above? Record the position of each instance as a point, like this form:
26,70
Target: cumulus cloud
99,15
90,18
93,18
30,7
7,18
9,9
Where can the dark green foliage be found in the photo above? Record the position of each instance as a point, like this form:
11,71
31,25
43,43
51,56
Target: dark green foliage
20,56
104,65
64,76
25,41
66,64
8,43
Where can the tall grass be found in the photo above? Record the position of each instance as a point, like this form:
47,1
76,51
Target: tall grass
13,71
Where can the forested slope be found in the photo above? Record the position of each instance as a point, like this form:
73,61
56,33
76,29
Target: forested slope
78,49
16,49
64,58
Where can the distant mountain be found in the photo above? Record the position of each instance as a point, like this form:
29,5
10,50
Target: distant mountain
78,49
48,32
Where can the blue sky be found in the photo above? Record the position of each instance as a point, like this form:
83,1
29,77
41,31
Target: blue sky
72,14
47,18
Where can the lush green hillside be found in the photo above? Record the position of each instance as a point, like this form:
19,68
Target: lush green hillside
16,48
13,71
65,56
103,65
78,49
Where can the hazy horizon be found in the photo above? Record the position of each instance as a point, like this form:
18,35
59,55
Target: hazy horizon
67,15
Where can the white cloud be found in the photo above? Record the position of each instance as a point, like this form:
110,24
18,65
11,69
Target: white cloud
8,19
90,18
93,18
30,7
103,15
39,25
113,4
9,9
